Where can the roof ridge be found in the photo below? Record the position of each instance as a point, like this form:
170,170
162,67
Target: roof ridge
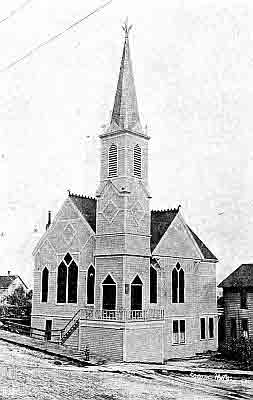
80,196
167,210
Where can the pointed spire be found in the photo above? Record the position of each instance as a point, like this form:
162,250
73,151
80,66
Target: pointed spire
125,113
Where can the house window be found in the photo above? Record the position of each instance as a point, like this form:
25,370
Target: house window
113,160
245,329
67,280
90,285
243,298
109,293
233,328
153,285
211,328
202,328
178,331
44,291
137,161
178,284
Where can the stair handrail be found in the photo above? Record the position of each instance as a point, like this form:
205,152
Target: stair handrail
64,330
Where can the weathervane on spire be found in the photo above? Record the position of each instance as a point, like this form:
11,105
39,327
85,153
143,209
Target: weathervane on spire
126,28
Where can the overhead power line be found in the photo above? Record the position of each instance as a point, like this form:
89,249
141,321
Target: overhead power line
54,37
13,12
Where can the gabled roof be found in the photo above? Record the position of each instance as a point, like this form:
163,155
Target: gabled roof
160,222
207,254
6,281
87,207
241,277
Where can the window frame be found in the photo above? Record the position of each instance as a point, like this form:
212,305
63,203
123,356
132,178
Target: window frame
178,292
200,327
117,161
94,288
179,334
41,293
153,296
243,299
61,259
213,330
139,175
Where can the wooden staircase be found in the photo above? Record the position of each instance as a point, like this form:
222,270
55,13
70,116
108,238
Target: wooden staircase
70,328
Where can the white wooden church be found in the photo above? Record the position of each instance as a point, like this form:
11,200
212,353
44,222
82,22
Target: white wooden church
132,284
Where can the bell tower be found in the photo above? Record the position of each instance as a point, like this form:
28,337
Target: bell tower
123,215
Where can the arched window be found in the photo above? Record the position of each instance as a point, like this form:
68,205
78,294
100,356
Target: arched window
109,293
113,160
67,280
136,294
137,161
153,285
177,284
72,282
61,283
90,285
44,291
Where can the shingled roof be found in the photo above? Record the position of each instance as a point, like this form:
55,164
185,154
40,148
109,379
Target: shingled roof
241,277
6,280
87,206
160,221
207,254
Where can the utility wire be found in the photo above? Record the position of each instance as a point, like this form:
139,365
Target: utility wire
13,12
54,37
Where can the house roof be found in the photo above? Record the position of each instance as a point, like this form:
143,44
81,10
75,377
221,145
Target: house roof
241,277
6,280
160,221
87,206
207,254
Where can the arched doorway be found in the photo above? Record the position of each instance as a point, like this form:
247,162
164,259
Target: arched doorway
109,293
136,294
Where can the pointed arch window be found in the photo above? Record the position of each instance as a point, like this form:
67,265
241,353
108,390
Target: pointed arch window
109,293
153,285
44,291
137,161
67,280
90,285
113,160
136,293
178,284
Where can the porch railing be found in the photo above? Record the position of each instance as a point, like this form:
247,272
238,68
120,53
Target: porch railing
121,314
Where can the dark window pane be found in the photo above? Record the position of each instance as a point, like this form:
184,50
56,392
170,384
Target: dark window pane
243,295
108,280
72,283
182,331
174,285
245,327
202,328
137,161
44,285
113,160
61,283
175,326
175,332
90,285
181,286
67,258
211,328
109,297
233,328
153,285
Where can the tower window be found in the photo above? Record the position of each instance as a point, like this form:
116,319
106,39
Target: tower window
137,161
153,285
178,284
113,160
44,292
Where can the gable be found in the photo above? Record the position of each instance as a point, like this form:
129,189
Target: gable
160,222
177,241
241,277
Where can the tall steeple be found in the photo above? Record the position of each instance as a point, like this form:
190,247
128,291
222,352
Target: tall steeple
125,115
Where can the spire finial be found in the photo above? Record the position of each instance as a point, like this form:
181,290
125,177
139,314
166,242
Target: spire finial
126,28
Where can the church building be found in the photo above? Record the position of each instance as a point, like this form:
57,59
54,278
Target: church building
132,284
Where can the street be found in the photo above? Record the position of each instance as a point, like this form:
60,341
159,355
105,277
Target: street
26,374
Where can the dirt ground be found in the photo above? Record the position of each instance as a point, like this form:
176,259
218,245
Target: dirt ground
26,374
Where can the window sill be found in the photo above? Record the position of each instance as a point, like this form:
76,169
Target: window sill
178,344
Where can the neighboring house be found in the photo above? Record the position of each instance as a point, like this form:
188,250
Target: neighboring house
131,284
8,283
238,303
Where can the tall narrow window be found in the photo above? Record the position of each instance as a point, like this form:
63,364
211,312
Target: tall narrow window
202,328
137,161
44,292
153,285
177,285
109,293
211,328
136,293
233,328
243,298
90,285
113,160
178,331
245,329
61,283
67,280
72,282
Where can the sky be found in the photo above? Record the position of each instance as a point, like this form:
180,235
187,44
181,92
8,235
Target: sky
193,67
